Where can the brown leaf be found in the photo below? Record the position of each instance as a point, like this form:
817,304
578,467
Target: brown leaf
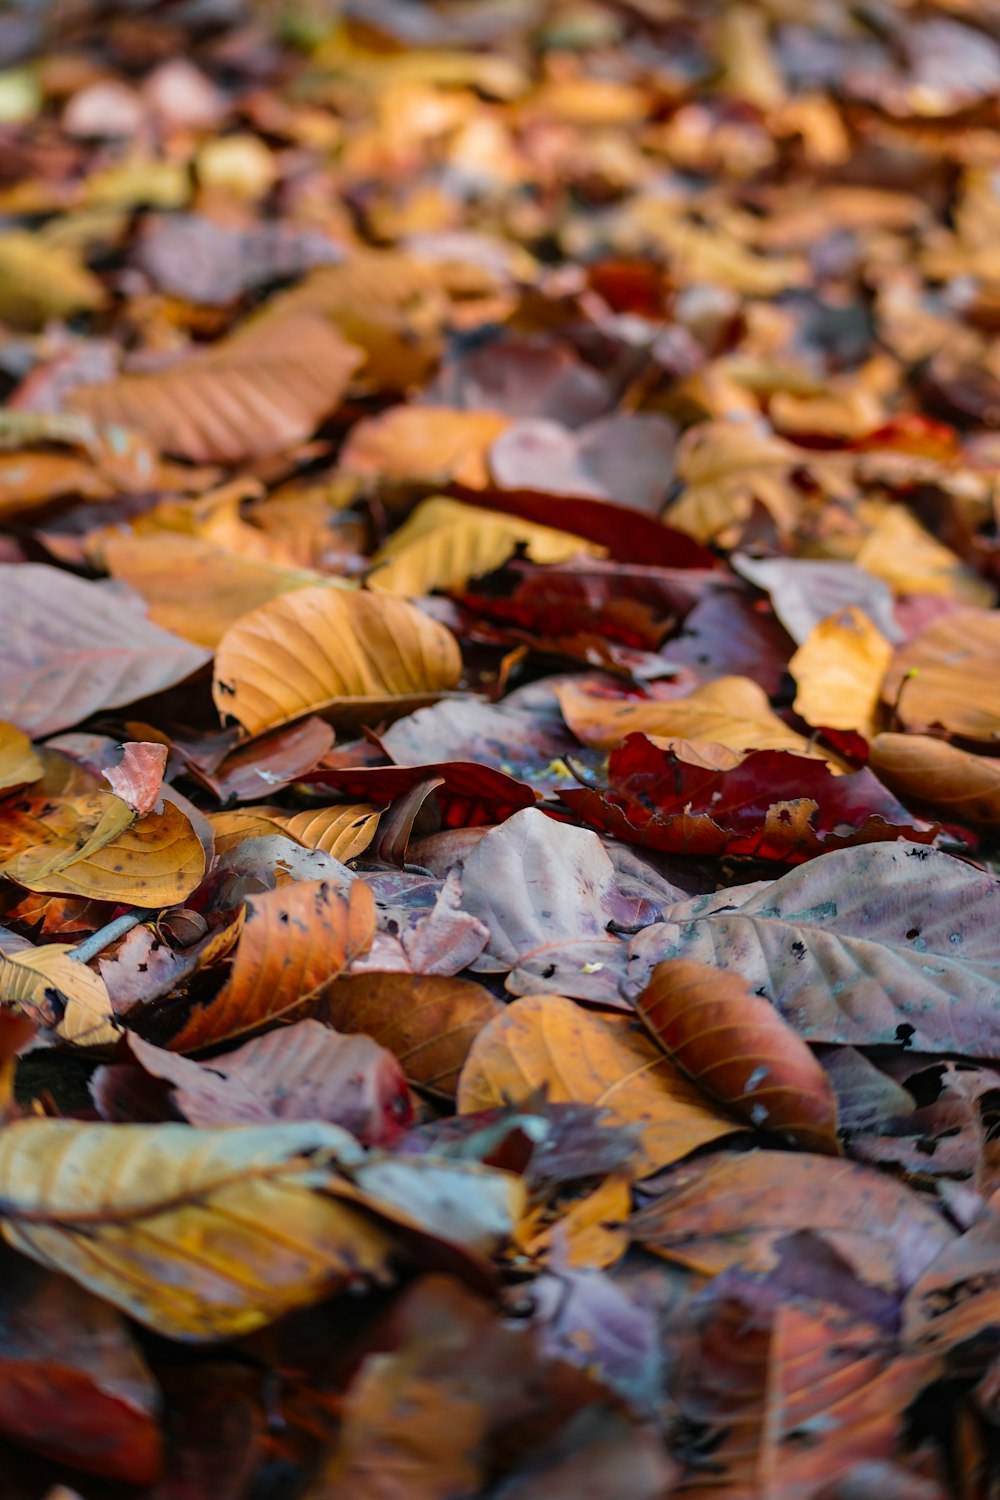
259,391
839,670
350,656
735,1046
58,993
428,1021
546,1042
946,677
138,777
424,444
957,784
18,762
295,939
342,830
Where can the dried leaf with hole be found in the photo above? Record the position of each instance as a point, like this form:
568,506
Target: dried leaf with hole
73,647
428,1021
578,1057
962,787
730,711
445,543
351,657
736,1047
295,940
259,391
19,764
59,993
839,670
947,677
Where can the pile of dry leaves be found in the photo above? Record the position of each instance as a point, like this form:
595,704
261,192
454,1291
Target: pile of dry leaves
500,963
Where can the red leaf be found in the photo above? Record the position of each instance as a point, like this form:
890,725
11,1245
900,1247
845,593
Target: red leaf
138,777
774,805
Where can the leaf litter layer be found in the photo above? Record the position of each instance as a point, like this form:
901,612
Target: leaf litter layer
499,750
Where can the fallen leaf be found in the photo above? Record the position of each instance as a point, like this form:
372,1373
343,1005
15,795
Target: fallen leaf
945,677
41,281
736,1047
19,764
546,1042
353,656
731,711
344,831
885,945
259,391
428,1022
138,777
839,670
301,1072
959,785
445,543
424,445
59,994
75,647
294,941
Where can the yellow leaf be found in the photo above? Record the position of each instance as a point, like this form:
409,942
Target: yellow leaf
201,1234
578,1057
424,444
18,762
445,543
40,281
59,993
724,468
731,711
196,589
911,561
345,831
151,862
839,670
352,657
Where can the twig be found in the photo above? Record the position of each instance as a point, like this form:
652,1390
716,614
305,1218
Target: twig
105,936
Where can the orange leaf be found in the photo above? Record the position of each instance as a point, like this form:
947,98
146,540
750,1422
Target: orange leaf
577,1057
138,777
736,1046
956,783
296,939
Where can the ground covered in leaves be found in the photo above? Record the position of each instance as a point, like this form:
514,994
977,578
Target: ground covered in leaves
500,761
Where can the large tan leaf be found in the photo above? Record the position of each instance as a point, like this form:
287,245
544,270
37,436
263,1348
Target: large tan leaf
195,589
736,1046
424,445
730,711
578,1057
201,1234
154,861
352,657
947,676
838,670
445,543
428,1021
59,993
259,391
295,940
39,835
956,783
72,647
18,762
